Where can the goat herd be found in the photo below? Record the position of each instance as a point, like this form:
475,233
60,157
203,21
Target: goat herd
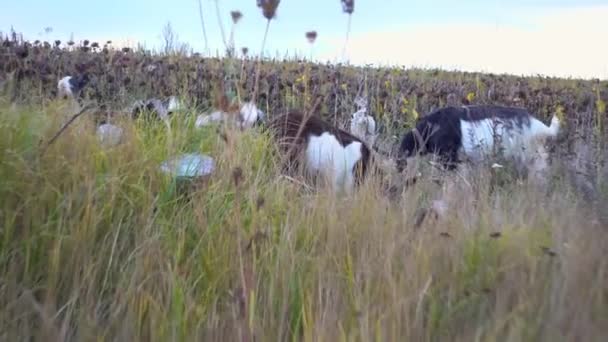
454,134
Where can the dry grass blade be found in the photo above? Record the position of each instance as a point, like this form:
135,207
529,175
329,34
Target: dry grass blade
297,182
65,126
221,23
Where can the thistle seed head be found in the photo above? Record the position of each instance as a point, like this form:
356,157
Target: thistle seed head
311,36
348,6
269,7
236,16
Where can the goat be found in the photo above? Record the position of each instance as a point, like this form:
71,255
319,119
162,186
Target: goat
209,119
476,132
249,115
71,86
323,149
158,108
173,104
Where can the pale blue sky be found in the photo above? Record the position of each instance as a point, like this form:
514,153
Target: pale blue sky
142,21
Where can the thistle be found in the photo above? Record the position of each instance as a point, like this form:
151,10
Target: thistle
348,6
269,10
236,16
311,36
269,7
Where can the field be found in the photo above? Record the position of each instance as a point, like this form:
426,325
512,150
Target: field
98,244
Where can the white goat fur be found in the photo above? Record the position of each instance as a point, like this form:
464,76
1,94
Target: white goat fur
64,88
525,145
334,162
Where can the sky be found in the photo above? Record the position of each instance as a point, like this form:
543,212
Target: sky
565,38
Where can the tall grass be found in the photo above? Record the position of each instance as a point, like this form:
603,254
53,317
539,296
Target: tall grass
97,244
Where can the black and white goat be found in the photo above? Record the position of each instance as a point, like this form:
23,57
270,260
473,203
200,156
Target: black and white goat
324,150
249,115
71,86
476,132
158,108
